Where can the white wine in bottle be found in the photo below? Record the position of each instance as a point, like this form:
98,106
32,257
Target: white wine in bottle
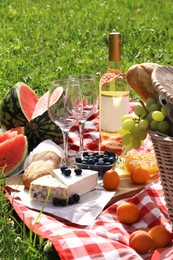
113,98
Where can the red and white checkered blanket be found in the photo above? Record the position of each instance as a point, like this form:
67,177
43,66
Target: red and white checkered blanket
106,238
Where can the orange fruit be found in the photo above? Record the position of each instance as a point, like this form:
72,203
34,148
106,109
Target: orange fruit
161,236
140,175
111,180
141,241
128,213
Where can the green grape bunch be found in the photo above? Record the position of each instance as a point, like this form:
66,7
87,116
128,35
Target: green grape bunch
153,115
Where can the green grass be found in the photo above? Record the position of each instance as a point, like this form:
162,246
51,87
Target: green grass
41,40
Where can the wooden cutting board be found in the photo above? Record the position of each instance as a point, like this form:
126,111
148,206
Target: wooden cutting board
126,188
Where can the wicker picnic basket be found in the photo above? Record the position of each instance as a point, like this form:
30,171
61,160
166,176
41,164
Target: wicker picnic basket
163,147
162,79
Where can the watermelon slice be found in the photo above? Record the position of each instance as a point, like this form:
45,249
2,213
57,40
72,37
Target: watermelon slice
20,130
28,100
21,107
13,152
7,135
42,104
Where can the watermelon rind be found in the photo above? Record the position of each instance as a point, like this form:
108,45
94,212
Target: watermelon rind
11,112
36,123
19,130
40,129
12,155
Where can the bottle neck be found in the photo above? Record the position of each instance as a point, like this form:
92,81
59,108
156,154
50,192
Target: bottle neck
114,63
114,66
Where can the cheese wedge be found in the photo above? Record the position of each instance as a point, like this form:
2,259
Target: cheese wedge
63,187
46,188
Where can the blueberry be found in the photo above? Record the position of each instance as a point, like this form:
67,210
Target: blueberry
76,197
63,202
107,153
112,154
108,163
71,200
97,156
105,159
91,161
63,167
84,162
78,171
111,160
86,157
78,160
56,201
85,154
67,172
100,160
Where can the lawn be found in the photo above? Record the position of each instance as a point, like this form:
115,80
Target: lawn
41,40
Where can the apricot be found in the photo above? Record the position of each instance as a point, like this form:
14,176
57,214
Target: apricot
161,236
141,241
128,213
111,180
140,175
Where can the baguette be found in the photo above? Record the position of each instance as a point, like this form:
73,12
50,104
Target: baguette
42,164
139,79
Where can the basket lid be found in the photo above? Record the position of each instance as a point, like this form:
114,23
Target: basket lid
162,79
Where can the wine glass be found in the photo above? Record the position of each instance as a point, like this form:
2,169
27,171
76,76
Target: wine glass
65,108
89,89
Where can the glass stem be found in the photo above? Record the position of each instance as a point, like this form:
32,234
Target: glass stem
65,138
81,129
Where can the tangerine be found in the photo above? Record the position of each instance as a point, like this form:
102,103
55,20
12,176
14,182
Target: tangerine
128,213
161,236
141,241
111,180
140,175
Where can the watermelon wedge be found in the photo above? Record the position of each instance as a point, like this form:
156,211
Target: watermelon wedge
21,107
7,135
13,152
20,130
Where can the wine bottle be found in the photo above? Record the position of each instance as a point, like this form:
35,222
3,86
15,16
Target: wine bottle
113,98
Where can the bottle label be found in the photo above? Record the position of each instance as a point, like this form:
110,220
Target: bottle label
114,104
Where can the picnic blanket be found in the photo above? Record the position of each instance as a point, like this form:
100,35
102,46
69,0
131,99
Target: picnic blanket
105,238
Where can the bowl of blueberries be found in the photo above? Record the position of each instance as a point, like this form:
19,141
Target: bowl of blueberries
100,161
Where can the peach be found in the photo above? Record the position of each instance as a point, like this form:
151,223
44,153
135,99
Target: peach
161,236
141,241
128,213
